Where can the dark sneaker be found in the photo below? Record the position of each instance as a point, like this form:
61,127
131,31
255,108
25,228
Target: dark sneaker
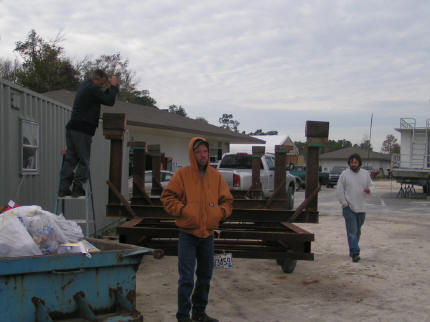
77,190
355,258
64,193
204,318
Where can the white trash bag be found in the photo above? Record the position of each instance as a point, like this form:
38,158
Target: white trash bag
45,231
14,238
71,229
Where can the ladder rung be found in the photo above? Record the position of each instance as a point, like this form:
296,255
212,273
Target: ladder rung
73,198
82,221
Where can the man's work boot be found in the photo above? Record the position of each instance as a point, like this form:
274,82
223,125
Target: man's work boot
203,317
356,258
78,190
64,193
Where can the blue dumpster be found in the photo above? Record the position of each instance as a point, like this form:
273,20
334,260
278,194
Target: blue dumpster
72,286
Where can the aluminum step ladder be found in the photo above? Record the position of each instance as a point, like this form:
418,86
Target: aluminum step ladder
88,199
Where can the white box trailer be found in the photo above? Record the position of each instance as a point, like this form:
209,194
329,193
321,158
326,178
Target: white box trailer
414,165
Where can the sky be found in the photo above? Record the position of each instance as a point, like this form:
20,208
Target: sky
272,64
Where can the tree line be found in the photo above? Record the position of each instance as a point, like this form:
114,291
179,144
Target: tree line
45,67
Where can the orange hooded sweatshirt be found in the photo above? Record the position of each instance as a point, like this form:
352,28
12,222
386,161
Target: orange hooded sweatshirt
197,203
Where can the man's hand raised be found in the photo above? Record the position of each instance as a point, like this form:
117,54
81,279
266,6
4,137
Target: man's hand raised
113,81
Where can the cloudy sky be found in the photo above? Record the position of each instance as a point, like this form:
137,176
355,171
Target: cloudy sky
272,64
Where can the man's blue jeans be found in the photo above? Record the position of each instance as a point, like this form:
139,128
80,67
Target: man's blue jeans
353,221
192,249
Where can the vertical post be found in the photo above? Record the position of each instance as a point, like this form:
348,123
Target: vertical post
154,151
138,164
317,137
280,187
256,188
114,125
280,171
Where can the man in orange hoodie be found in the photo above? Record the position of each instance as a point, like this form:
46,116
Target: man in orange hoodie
199,198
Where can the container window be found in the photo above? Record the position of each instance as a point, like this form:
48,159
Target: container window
30,147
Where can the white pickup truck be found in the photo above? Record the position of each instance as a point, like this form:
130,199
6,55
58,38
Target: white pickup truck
236,168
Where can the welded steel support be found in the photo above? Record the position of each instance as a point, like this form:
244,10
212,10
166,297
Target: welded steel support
138,165
280,188
155,152
256,191
317,137
114,125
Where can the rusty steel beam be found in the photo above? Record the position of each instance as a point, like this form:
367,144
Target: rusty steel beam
139,185
240,215
172,232
114,125
237,203
304,204
239,249
280,189
154,151
317,134
124,201
138,166
255,191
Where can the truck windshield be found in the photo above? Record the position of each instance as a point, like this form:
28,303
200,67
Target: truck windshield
237,161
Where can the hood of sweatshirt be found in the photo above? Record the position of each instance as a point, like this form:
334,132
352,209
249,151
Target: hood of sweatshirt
193,141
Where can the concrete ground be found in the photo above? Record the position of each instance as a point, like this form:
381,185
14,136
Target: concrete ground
390,283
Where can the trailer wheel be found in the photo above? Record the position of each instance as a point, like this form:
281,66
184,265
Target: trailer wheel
288,265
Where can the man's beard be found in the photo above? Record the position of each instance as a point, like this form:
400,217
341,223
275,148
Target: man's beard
202,166
355,169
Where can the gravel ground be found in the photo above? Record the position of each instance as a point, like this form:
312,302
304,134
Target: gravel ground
390,283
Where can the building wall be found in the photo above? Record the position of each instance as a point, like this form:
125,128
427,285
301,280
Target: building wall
40,187
173,144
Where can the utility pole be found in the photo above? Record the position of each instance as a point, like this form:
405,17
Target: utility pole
370,138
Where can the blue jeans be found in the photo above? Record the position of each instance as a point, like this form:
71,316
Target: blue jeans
353,221
192,249
77,156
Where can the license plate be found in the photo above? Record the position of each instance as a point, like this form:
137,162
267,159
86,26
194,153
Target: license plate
223,260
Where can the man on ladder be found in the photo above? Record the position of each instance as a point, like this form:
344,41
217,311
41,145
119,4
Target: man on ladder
81,128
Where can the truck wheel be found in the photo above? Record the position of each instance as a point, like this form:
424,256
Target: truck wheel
288,265
290,197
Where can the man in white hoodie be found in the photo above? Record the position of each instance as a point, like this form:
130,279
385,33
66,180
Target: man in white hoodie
352,187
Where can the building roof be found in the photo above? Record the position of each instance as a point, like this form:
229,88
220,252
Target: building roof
271,141
152,117
343,154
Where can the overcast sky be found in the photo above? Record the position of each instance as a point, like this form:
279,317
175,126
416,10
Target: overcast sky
272,64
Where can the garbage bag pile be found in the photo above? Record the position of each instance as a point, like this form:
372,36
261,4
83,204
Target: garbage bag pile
30,230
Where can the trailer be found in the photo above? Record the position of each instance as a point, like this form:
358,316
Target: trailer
413,166
257,228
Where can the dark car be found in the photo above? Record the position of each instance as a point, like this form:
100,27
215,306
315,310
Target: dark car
334,175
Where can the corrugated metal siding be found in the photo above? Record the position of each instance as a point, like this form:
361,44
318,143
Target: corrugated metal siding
17,103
